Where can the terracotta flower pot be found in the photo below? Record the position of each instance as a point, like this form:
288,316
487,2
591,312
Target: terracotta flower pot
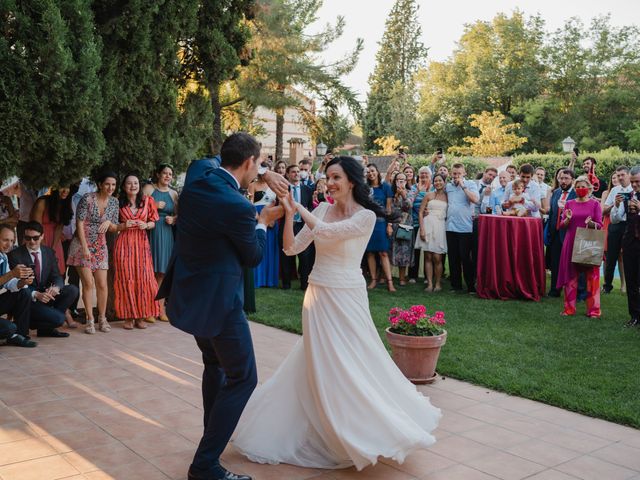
416,357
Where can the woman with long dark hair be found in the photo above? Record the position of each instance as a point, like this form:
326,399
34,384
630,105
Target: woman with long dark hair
161,237
379,244
134,282
340,358
96,214
54,212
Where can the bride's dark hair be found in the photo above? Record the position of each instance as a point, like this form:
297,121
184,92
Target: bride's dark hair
361,190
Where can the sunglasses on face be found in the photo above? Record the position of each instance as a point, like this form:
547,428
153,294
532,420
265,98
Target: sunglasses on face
30,238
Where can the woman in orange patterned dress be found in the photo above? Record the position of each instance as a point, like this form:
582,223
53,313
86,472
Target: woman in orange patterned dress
134,281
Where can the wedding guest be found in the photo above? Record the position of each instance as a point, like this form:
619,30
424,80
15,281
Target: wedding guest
8,213
410,173
54,212
513,172
539,178
606,221
631,247
379,242
97,214
462,194
280,167
444,171
579,213
484,183
320,194
306,177
401,247
589,168
555,233
267,272
50,297
304,196
418,192
14,298
516,201
134,283
616,230
161,237
492,197
432,233
27,198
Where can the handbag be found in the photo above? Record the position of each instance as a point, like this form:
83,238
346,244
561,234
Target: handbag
404,232
588,247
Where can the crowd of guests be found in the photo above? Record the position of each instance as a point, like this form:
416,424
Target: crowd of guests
62,236
431,219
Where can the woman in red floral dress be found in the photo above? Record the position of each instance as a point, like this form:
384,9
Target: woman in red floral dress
134,282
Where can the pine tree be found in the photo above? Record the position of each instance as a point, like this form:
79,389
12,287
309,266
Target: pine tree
50,95
398,59
141,75
211,56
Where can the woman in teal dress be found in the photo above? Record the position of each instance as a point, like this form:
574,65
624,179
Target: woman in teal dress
161,237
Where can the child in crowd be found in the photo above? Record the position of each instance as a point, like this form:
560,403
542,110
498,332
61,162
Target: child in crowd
517,201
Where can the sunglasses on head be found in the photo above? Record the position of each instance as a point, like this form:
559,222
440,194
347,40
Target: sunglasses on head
30,238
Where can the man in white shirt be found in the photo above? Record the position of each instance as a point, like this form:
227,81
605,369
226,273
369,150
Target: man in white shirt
615,206
544,189
531,191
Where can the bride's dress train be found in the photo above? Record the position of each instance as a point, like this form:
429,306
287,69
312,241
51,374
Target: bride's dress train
338,399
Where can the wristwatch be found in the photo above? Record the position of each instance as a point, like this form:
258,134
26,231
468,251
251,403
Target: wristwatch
262,169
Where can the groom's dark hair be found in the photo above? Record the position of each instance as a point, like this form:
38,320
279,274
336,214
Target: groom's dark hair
237,148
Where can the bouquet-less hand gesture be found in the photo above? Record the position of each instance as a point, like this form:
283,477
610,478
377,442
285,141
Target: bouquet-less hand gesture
634,205
568,214
288,204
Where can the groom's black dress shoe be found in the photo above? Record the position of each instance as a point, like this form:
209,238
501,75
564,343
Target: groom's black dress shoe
227,475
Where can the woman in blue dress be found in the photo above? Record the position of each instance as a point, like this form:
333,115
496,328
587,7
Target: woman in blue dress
379,241
266,273
161,237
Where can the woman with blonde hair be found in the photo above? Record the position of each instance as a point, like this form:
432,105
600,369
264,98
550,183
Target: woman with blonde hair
583,211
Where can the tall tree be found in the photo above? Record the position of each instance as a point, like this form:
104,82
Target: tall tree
212,54
141,73
50,94
496,66
285,61
391,98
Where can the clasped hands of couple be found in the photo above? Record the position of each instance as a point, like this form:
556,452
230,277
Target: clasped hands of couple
285,203
272,212
25,276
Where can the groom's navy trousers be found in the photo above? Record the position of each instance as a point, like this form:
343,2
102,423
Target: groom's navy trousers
216,239
229,378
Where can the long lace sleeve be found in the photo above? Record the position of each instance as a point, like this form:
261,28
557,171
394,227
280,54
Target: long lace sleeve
301,241
360,224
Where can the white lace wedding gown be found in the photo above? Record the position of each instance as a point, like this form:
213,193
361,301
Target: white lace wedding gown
338,399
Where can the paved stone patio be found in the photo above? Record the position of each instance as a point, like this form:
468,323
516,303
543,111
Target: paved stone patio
126,405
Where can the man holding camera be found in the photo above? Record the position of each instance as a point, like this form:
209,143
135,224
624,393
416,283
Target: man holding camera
50,296
630,208
615,206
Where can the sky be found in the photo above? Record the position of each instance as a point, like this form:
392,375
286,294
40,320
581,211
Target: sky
443,23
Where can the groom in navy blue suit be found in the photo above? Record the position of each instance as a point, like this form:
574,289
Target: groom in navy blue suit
217,236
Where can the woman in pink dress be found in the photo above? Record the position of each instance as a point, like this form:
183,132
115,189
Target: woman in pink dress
582,212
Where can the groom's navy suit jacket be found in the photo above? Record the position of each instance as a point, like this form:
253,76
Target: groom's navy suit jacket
216,238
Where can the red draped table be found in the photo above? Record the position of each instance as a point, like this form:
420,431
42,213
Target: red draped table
510,258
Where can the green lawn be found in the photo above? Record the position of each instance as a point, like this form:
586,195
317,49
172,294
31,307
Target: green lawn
522,348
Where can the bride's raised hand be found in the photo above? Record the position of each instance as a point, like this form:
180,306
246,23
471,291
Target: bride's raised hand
288,203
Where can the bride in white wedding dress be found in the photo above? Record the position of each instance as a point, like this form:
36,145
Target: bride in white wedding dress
337,400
